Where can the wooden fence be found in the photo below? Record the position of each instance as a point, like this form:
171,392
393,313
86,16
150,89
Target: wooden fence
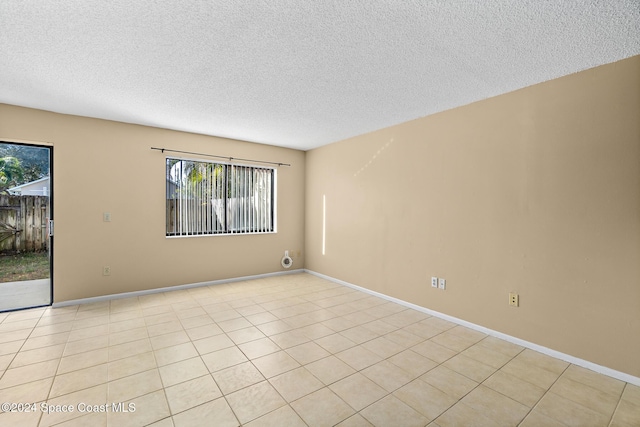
23,223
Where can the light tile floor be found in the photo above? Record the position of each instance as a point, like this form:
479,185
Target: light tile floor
290,350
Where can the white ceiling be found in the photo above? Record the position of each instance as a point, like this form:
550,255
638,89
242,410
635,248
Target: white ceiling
295,73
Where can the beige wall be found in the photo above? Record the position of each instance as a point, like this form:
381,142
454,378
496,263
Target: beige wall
536,191
102,166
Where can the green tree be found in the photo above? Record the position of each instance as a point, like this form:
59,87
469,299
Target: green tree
11,172
34,160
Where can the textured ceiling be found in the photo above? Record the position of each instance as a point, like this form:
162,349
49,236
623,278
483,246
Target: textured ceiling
295,73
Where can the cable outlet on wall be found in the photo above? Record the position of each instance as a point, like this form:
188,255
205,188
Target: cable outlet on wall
514,299
434,282
442,283
106,271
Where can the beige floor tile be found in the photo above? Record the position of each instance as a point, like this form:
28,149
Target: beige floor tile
274,327
168,340
281,417
20,419
79,380
307,353
404,338
387,375
530,373
259,348
536,419
423,330
358,391
315,331
160,318
126,325
214,343
549,363
631,394
83,360
501,346
383,347
29,373
92,396
380,327
405,318
450,382
205,331
196,321
261,318
391,411
515,388
175,353
596,400
470,368
189,394
496,406
433,351
80,334
255,401
39,342
249,310
245,335
358,357
569,412
23,334
627,414
322,408
124,316
412,362
17,325
487,356
164,328
165,422
36,391
355,420
182,371
359,334
214,413
237,377
131,365
595,380
128,335
87,344
463,415
93,419
233,324
289,339
224,358
130,387
28,357
129,349
339,324
295,384
335,343
424,398
275,363
453,341
330,369
149,409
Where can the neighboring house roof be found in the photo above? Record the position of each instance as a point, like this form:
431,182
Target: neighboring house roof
33,188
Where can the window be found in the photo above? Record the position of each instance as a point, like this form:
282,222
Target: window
206,198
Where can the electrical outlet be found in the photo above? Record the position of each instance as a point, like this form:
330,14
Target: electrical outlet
442,283
106,216
514,299
106,271
434,282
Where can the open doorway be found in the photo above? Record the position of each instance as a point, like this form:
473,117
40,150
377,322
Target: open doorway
26,243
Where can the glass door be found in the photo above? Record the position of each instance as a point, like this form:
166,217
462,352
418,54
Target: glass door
26,248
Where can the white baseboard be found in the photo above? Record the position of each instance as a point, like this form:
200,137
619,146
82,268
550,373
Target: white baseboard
170,288
544,350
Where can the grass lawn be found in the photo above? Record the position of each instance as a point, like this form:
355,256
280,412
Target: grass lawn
24,266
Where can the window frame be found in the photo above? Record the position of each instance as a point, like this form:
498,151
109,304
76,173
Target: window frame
226,229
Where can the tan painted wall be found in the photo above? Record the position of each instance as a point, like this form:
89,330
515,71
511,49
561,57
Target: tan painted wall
102,166
536,191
